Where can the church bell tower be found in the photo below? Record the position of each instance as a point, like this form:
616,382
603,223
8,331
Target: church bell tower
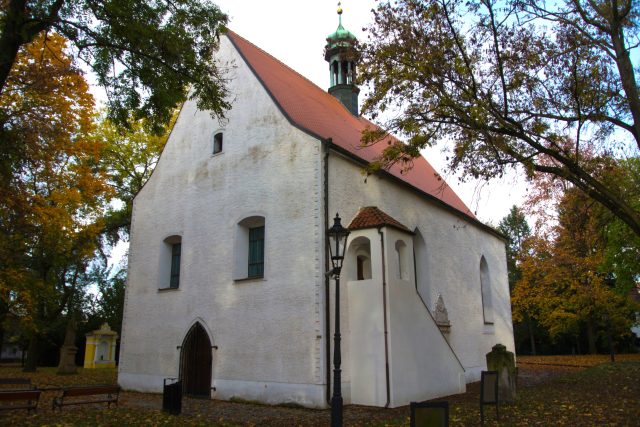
342,56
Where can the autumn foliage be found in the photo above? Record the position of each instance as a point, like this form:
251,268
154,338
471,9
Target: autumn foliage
565,283
52,191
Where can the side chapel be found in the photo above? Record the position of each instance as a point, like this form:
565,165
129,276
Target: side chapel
227,287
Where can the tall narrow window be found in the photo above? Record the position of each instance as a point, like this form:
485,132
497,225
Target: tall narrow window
249,249
256,252
176,249
485,286
217,143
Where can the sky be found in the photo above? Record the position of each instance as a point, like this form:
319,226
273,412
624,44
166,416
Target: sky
295,32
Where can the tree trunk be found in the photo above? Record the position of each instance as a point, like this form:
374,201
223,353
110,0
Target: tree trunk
591,337
531,338
1,338
10,39
32,354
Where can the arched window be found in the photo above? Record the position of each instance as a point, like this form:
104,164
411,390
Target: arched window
357,264
421,262
485,284
402,261
170,262
217,143
249,249
363,267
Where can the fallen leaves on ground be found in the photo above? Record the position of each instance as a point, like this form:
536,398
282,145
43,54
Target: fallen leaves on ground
552,390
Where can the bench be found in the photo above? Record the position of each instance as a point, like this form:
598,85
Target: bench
86,395
25,382
19,399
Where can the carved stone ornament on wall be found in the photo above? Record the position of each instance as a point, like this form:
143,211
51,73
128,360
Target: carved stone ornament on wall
441,315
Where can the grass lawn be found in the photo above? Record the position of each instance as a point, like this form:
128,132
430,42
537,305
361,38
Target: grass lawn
552,390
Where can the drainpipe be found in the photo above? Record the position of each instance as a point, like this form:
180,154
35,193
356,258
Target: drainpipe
327,294
384,315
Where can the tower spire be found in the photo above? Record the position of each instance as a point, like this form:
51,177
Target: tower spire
342,55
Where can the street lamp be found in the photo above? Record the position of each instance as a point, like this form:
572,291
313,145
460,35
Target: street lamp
337,245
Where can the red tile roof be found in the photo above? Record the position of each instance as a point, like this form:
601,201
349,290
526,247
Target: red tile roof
321,115
371,217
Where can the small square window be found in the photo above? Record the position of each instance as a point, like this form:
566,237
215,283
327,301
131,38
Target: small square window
217,143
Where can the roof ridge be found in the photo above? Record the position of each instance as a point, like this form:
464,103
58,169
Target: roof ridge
279,61
319,114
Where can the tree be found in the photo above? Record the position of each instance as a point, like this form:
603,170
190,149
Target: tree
515,227
109,304
564,283
129,156
509,83
622,252
53,192
148,55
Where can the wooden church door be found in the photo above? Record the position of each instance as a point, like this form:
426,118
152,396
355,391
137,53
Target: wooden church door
195,363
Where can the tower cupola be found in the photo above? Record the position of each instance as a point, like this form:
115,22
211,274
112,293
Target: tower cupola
342,55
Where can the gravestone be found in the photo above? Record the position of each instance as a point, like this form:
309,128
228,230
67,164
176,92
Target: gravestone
503,361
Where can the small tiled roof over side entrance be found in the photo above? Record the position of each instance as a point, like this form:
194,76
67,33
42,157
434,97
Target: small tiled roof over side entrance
372,217
316,112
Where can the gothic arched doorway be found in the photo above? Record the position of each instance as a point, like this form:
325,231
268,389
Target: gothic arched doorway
195,362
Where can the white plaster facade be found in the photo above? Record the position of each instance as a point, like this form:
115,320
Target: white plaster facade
268,336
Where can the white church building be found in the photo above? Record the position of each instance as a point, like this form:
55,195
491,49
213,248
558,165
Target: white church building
227,287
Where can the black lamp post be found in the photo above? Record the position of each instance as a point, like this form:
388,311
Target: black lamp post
337,245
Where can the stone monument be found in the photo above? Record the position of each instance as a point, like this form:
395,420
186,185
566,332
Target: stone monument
442,317
67,365
503,361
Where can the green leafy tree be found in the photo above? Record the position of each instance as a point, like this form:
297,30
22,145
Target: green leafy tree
622,252
129,156
108,304
147,54
516,228
508,83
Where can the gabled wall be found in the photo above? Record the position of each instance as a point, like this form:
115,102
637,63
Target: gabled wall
268,332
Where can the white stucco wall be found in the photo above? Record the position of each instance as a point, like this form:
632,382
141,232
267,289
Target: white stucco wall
268,332
423,366
454,248
367,360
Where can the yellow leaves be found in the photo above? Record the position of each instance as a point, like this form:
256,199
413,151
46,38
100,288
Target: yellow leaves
53,189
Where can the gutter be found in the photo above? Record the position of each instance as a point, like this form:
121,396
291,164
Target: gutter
326,143
384,314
